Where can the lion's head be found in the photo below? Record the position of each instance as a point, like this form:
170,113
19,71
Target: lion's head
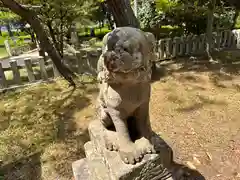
127,49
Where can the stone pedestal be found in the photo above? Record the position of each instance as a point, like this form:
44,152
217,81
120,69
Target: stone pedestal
101,164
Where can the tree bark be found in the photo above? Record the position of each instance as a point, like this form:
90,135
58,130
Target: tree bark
136,8
52,34
35,23
122,13
209,30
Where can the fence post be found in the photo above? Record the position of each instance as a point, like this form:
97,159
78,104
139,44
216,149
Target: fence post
225,38
90,62
8,48
3,80
202,43
189,45
218,41
194,44
176,44
55,71
16,73
79,62
161,49
181,47
168,48
230,38
28,65
43,70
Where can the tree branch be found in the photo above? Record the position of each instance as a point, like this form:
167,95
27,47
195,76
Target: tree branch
34,21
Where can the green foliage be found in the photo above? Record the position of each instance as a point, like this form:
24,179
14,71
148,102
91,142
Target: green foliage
99,33
19,42
58,16
7,17
147,14
164,5
191,15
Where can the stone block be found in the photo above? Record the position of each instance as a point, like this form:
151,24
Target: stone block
152,166
80,169
96,163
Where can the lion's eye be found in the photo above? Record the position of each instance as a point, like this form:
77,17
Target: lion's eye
125,49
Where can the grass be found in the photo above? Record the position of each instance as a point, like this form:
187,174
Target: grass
195,106
39,119
3,52
20,41
97,31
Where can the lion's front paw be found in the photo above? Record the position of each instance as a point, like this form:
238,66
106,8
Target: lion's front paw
110,138
145,146
129,153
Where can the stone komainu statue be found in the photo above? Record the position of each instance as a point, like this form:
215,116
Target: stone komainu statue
124,75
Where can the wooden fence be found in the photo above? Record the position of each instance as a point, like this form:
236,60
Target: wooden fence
196,45
86,62
43,70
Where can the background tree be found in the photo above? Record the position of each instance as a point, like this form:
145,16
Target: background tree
122,13
32,18
211,9
6,19
147,14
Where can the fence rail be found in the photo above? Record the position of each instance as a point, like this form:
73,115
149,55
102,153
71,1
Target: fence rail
86,62
196,45
43,70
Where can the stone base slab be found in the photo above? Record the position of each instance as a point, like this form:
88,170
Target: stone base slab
101,164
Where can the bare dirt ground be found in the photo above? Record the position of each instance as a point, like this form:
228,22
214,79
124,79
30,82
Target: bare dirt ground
195,106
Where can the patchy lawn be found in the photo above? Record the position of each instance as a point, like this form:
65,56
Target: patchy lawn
3,52
195,106
48,123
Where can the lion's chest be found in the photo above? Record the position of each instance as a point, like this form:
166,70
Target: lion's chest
128,97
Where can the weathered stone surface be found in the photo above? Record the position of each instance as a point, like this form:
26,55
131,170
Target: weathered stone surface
152,166
80,170
96,163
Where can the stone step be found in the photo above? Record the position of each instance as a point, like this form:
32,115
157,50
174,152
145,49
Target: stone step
152,166
80,170
96,163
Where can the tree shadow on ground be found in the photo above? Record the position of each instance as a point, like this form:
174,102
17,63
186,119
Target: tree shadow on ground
203,101
62,140
178,171
25,168
224,62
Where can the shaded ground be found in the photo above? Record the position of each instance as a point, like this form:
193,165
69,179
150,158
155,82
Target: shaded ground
195,106
47,123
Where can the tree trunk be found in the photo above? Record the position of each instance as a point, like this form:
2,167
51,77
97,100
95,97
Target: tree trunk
61,31
52,34
122,13
209,30
34,21
136,8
